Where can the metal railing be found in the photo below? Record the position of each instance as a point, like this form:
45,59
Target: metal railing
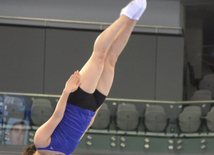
114,99
100,24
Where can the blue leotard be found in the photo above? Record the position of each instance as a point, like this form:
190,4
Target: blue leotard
67,134
77,117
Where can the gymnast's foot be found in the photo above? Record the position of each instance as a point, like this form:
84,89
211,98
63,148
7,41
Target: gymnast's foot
141,10
73,82
134,9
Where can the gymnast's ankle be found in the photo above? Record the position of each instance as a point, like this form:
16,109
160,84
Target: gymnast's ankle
132,8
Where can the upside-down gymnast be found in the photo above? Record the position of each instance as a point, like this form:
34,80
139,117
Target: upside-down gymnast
85,91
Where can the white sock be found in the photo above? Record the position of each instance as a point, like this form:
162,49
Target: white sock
131,9
141,11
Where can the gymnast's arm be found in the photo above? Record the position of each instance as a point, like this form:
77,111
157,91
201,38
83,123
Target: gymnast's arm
43,134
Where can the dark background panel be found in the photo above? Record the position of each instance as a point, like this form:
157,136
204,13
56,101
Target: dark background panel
21,59
135,69
40,60
66,52
169,78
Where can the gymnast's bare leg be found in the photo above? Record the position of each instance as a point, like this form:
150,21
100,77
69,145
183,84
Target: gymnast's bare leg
92,70
108,46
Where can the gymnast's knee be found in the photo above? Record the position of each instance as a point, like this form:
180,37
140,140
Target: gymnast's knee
99,56
111,59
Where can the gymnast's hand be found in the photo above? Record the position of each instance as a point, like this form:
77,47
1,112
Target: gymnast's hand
73,82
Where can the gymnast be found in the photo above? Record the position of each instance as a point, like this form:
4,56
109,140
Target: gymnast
86,90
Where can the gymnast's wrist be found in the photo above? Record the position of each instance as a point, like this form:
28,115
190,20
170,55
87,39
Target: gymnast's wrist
66,91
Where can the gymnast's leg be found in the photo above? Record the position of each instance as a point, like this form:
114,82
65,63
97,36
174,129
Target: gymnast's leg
106,79
92,70
120,41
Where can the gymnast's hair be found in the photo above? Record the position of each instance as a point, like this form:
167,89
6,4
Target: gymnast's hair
30,150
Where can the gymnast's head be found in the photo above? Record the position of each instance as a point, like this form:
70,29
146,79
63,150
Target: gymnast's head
30,150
